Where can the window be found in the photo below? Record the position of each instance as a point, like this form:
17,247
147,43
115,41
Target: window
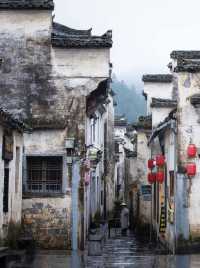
6,190
44,174
116,147
17,160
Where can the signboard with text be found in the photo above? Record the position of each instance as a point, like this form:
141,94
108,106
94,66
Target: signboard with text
146,192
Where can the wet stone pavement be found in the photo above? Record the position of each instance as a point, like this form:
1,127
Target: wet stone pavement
120,252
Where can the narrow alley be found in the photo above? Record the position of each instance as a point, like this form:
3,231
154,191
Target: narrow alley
99,168
120,252
126,251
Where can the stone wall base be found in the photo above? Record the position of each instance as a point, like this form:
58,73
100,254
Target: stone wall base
48,222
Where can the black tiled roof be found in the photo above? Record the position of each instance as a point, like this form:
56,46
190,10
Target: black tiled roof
120,121
159,78
162,103
187,61
144,122
11,121
195,100
63,36
186,54
27,4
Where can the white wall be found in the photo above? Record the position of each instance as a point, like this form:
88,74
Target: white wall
45,142
159,115
188,131
15,195
157,90
27,22
81,63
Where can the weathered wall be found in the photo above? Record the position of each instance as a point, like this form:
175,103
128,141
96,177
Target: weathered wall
110,161
85,63
25,68
48,221
143,154
157,90
47,87
119,179
188,131
138,177
15,188
159,114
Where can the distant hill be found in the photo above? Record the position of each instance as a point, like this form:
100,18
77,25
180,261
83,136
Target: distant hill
130,102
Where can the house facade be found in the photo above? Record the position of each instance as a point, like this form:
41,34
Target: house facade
120,143
11,155
138,191
162,106
99,157
48,70
175,125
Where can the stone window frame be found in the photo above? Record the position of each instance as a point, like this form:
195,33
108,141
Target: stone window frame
65,182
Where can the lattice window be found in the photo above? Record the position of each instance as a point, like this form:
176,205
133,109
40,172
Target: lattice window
44,174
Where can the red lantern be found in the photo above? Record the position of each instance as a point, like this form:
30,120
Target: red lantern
160,176
151,177
160,160
191,150
191,169
151,163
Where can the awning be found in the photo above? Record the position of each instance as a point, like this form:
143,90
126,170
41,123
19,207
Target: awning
171,124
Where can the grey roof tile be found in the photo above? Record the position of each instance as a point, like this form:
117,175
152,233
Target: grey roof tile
27,4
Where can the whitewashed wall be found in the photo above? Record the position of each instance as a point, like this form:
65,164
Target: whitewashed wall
159,115
157,90
26,22
15,189
188,131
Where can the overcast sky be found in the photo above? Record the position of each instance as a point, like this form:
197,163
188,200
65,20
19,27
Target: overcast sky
144,31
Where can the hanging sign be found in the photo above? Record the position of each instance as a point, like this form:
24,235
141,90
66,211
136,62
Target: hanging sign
7,149
163,223
146,192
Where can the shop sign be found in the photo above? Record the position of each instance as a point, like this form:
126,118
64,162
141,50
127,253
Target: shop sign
146,192
163,223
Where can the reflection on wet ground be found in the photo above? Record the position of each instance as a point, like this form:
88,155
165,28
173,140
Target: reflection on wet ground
121,252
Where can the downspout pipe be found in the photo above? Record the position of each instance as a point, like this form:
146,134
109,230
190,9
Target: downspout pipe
175,132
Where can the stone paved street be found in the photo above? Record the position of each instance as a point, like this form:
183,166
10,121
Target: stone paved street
118,252
131,252
123,252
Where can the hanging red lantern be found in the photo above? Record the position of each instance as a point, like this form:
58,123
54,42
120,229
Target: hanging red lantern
160,160
151,178
191,150
191,169
160,176
151,163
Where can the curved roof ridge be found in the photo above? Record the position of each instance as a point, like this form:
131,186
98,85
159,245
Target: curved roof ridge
66,37
59,28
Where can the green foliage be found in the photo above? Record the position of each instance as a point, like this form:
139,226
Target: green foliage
130,103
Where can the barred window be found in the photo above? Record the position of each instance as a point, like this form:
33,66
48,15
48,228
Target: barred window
44,174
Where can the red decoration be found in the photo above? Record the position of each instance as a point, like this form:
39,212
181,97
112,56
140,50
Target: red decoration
191,150
87,178
151,163
151,178
191,169
160,160
160,176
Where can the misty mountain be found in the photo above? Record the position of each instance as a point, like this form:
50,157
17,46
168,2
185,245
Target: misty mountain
130,102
